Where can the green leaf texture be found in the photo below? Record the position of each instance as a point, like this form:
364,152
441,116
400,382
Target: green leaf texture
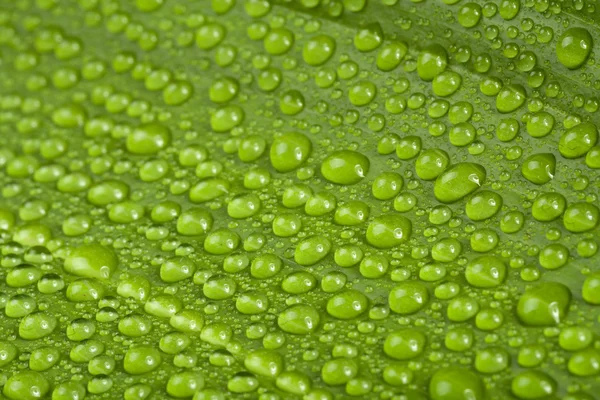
301,199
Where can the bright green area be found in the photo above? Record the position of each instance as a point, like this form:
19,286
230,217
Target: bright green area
307,199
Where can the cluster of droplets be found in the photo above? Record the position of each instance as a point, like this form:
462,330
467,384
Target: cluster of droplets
241,200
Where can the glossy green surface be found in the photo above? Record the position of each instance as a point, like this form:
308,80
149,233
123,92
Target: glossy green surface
303,200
